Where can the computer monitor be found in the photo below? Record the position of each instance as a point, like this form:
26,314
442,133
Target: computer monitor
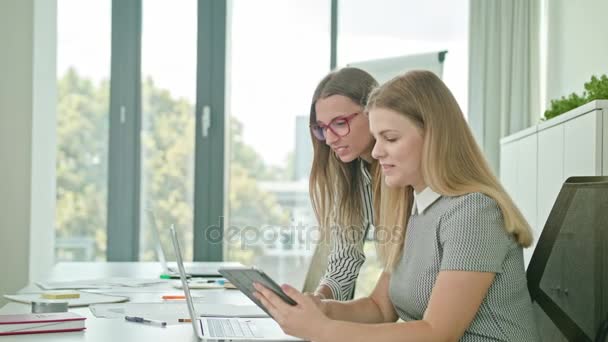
568,272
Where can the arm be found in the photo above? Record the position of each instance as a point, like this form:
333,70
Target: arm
343,264
453,305
454,302
324,292
376,308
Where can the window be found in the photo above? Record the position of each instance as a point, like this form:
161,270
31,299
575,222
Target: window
83,67
168,91
274,64
391,28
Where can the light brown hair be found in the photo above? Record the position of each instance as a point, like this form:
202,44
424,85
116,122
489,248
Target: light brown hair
335,186
452,163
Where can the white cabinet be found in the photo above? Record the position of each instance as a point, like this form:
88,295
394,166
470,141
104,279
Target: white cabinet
583,145
550,171
527,170
535,162
518,169
508,167
526,177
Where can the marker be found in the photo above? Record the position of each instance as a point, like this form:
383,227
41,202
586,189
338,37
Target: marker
173,276
169,297
146,321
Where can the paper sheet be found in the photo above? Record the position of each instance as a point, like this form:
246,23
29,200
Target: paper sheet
102,283
86,298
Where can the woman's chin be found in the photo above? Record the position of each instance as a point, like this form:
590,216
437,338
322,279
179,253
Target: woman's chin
392,182
347,158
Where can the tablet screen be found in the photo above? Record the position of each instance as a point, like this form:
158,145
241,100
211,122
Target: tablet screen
244,277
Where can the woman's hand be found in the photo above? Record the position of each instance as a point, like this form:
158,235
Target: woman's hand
305,320
320,301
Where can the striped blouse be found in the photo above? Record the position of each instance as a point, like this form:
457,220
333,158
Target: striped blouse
346,248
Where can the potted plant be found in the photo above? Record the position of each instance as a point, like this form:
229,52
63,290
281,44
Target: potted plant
595,89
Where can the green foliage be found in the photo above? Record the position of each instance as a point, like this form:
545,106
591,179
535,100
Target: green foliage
167,142
167,145
596,88
82,130
564,104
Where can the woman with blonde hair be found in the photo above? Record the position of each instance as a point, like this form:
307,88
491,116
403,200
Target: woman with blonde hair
340,177
450,236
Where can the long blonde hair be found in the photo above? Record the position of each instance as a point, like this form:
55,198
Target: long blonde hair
452,163
335,187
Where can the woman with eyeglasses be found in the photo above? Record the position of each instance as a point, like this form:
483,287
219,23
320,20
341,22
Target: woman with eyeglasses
340,178
451,238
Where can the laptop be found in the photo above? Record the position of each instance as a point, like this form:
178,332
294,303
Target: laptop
227,328
206,271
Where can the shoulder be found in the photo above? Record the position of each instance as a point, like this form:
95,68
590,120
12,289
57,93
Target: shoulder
472,234
470,204
474,213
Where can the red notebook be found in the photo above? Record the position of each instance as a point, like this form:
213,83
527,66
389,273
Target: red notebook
40,323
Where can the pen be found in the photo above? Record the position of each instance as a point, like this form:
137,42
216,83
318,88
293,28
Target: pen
184,320
173,297
173,276
146,321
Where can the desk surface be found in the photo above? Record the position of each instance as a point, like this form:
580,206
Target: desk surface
114,330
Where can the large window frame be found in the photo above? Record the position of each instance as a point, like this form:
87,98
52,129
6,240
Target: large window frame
124,165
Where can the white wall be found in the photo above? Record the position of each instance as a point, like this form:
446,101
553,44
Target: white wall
577,44
44,139
27,140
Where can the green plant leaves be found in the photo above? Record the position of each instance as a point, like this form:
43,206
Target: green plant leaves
595,89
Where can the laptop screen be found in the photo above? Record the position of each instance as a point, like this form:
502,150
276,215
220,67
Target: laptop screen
158,247
182,277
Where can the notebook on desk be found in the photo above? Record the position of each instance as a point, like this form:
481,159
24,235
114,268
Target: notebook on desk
40,323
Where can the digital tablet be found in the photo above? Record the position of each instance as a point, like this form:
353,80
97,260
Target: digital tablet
244,277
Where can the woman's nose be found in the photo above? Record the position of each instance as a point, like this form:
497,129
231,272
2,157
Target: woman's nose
330,136
377,151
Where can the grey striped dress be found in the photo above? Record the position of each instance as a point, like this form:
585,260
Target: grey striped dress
346,250
464,233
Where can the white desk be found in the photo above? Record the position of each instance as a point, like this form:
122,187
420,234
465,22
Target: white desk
118,330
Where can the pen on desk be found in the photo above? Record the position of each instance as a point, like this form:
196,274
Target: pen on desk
173,276
146,321
165,297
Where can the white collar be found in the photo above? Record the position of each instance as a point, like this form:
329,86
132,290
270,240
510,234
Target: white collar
423,200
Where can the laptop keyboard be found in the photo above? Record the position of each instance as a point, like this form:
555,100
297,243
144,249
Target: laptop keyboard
231,327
